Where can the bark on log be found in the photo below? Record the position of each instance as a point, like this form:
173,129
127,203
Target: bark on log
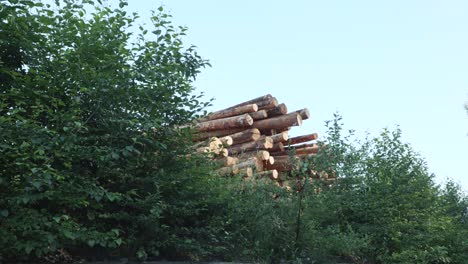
305,114
245,136
299,151
244,109
259,115
261,144
261,155
251,163
216,133
280,109
281,165
225,123
253,101
278,147
279,122
281,137
267,104
302,139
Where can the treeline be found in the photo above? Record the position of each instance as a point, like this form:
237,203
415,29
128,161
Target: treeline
92,167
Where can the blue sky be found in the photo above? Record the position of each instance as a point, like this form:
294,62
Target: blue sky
378,63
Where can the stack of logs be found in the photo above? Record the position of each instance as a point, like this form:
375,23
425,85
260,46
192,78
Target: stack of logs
252,137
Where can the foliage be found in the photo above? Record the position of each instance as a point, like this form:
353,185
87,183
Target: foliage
90,162
92,166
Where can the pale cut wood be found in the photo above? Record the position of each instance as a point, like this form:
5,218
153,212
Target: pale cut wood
261,144
305,114
245,136
281,137
225,123
271,160
272,174
224,152
244,109
278,110
259,115
267,104
288,120
245,172
227,141
253,101
302,139
216,133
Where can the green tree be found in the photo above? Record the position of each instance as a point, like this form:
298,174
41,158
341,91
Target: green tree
90,162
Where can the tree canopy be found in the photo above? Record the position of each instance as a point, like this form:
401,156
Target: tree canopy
93,166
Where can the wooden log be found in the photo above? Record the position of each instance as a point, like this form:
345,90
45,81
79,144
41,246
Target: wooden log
261,155
244,109
224,152
245,172
271,160
299,151
302,139
259,115
281,165
305,114
277,147
272,174
225,123
227,171
216,133
226,161
251,163
245,136
267,104
226,141
288,120
253,101
281,137
262,143
300,146
280,109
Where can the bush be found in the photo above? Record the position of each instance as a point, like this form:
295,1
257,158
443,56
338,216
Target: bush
90,163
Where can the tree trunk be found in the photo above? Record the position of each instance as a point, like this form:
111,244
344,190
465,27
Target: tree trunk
261,144
245,136
262,114
304,113
302,139
279,122
267,104
281,137
225,123
244,109
280,109
261,155
216,133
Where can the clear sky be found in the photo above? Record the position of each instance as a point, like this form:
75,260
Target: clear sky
378,63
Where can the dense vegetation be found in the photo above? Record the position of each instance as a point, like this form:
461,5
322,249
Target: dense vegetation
91,164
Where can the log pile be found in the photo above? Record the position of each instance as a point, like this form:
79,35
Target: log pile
252,138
